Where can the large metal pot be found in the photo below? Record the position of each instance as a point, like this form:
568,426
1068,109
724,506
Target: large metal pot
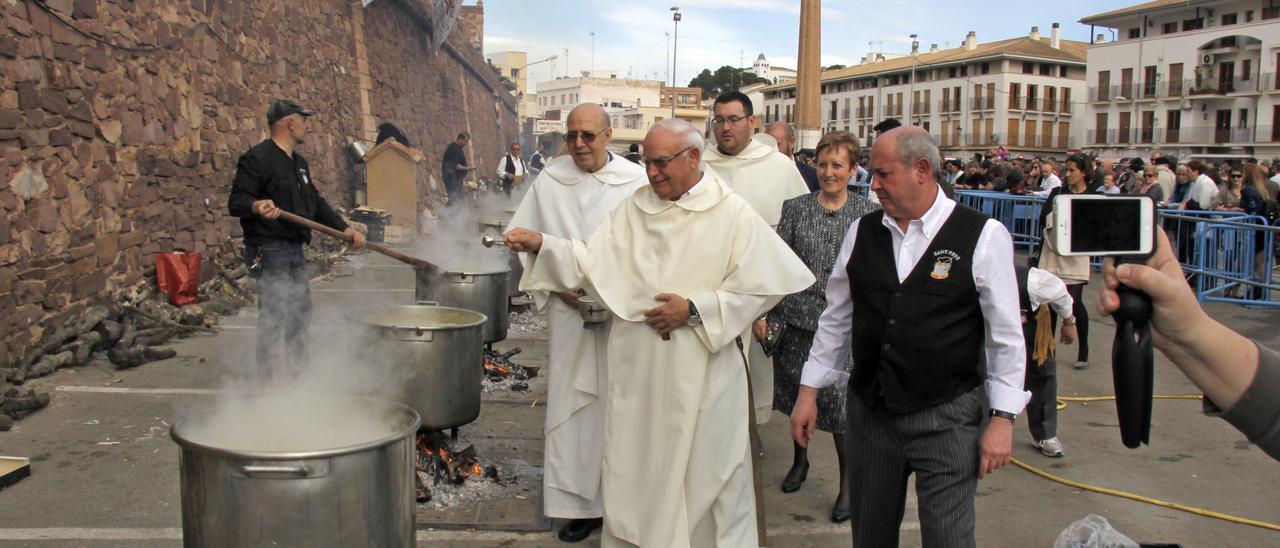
482,289
358,495
439,352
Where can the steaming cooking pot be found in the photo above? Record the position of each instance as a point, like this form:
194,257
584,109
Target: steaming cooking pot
441,351
358,495
482,289
593,313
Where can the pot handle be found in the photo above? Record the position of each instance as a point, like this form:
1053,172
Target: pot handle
275,471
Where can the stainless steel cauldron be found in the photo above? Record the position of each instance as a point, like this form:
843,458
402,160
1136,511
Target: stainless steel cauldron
439,352
359,495
483,290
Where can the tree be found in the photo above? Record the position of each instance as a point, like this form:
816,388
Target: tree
725,78
834,67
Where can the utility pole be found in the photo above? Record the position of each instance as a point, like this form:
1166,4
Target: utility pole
566,62
668,67
911,107
675,16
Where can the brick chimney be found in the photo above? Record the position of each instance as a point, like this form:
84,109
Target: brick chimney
971,41
1035,33
1055,36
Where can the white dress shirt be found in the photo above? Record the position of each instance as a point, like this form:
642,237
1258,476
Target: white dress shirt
1204,191
517,161
1047,185
997,286
1043,287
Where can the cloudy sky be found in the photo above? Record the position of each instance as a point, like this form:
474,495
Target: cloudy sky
630,39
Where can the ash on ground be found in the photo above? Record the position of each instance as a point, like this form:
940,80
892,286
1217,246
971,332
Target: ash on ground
503,477
527,323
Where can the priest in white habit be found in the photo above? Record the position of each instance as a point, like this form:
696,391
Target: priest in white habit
764,177
684,266
569,199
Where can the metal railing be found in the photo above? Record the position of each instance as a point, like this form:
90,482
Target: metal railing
1187,87
1228,257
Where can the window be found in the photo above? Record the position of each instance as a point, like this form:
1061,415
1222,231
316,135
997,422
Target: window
1015,96
952,72
1192,24
1175,79
1228,19
964,70
1028,68
986,68
1169,28
1135,33
1270,12
1050,98
1031,97
1245,65
1149,81
1062,71
1244,118
1172,125
1125,126
1248,16
1066,100
1100,128
1046,69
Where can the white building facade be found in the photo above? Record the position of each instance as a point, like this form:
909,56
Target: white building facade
1192,78
562,94
1023,93
775,75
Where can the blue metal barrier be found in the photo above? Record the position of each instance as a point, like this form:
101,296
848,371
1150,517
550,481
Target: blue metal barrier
1228,256
1019,214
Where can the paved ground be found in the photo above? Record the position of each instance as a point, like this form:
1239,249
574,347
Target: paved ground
105,472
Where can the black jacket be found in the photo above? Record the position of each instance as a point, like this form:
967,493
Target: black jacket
265,172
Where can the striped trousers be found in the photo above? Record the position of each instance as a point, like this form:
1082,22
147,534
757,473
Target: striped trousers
939,445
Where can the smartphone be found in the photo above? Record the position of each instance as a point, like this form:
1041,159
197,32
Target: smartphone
1101,225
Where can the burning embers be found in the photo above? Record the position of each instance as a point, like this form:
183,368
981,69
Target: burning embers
436,464
499,368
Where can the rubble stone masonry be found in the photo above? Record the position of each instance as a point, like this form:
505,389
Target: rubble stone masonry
112,152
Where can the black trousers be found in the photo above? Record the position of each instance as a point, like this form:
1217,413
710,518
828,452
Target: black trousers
939,445
1042,411
284,306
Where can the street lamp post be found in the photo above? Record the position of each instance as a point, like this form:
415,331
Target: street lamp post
675,16
593,54
911,107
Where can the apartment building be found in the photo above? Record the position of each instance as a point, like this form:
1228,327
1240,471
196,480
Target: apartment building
1024,93
1195,78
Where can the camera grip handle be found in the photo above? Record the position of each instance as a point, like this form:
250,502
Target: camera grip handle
1133,366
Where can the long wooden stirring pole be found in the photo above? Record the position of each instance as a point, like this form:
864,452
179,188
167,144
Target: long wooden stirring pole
302,221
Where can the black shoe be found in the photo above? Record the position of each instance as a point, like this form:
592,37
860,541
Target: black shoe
840,512
578,529
795,478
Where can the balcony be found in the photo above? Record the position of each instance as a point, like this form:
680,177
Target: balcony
983,103
1188,87
866,113
891,111
948,106
920,108
1187,136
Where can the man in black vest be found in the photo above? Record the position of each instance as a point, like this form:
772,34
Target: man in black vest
928,289
512,169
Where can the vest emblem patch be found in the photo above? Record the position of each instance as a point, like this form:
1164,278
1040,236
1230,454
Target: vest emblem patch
943,259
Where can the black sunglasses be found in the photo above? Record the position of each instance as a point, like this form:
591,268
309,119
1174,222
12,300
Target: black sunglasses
572,138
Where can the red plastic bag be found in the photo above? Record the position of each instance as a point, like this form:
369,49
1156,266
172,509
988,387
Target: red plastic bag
178,275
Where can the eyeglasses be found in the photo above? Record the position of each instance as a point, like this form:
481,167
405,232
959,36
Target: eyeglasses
587,137
1151,175
661,162
1237,175
720,120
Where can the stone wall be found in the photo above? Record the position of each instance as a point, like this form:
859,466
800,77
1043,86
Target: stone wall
114,152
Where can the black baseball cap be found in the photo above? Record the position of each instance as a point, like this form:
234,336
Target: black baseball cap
284,107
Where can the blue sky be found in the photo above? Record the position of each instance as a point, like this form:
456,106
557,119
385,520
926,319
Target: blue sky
629,34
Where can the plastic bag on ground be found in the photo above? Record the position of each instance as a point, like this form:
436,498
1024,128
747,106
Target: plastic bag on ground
1093,531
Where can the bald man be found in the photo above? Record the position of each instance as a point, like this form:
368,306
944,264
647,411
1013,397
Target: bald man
786,137
569,199
927,291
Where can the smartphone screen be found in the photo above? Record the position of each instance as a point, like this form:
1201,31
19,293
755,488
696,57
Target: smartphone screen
1099,226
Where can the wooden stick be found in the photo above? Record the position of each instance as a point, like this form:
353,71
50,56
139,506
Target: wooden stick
413,261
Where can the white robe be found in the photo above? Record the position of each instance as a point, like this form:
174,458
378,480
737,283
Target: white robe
567,202
677,469
765,178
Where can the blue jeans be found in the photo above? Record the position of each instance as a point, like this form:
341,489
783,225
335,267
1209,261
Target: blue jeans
284,306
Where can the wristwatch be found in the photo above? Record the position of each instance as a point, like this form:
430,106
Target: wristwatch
1004,414
1069,321
694,319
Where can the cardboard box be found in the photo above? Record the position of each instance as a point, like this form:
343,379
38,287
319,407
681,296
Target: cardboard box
13,469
